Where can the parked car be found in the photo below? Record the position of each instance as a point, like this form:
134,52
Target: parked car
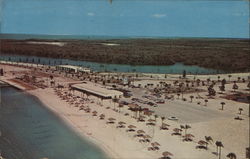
172,118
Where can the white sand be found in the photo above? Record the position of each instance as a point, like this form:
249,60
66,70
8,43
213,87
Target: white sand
118,143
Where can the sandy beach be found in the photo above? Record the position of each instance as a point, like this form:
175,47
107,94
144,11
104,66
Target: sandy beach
205,119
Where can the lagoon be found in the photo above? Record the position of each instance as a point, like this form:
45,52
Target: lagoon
177,68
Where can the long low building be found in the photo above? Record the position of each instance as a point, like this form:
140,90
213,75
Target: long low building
97,90
70,68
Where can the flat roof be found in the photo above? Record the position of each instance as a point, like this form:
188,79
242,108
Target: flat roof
98,90
74,67
68,66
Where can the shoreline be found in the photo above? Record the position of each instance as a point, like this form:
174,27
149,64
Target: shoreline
174,75
152,51
117,143
70,124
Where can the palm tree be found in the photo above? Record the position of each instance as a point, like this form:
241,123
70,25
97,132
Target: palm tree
156,116
219,145
205,102
222,88
208,139
208,80
162,119
222,105
235,86
120,106
229,76
218,78
178,94
240,110
185,127
239,79
248,98
191,97
248,85
115,100
140,110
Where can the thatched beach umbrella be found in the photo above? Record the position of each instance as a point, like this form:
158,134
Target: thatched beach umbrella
202,142
155,144
147,137
131,126
132,106
177,130
140,131
111,119
121,123
142,117
165,125
189,135
166,154
231,155
87,110
102,116
94,113
151,120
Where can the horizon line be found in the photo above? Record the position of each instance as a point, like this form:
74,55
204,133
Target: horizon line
115,36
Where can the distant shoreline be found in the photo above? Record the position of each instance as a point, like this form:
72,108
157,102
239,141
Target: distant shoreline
218,54
6,36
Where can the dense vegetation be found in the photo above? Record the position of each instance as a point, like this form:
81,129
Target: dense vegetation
221,54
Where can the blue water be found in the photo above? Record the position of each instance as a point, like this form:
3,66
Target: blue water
30,131
177,68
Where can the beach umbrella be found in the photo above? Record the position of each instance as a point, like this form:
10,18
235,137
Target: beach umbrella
140,131
102,116
166,154
189,135
111,119
231,155
155,144
202,142
142,117
87,109
132,106
177,130
165,125
131,126
121,123
146,136
151,120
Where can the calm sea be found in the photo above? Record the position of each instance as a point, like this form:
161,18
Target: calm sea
30,131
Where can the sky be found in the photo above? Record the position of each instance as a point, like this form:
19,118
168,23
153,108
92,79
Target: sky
150,18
